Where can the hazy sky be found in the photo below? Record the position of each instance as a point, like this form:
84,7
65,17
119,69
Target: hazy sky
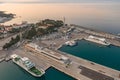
59,0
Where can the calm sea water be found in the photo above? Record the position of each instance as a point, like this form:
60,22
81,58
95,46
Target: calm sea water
101,16
10,71
107,56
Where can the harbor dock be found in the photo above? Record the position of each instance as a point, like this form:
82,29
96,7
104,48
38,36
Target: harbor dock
45,54
112,38
78,68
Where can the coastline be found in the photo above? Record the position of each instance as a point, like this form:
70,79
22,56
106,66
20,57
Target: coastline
73,69
5,17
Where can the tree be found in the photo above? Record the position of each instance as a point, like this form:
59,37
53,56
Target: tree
40,31
12,42
31,33
18,37
15,30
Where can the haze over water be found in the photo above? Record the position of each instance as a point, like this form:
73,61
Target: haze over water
101,16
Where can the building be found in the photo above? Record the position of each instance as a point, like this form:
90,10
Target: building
28,64
23,24
8,28
46,51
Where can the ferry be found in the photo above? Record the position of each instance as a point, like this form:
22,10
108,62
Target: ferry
27,65
70,43
97,40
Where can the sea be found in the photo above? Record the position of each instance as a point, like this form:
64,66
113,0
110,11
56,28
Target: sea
99,16
105,55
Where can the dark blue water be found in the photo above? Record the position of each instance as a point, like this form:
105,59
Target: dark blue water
107,56
10,71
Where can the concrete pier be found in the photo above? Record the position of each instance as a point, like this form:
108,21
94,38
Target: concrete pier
80,69
110,37
45,61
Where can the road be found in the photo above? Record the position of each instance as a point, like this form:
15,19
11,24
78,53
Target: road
6,40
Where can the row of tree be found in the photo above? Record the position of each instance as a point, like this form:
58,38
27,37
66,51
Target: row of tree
12,42
35,31
15,30
31,33
54,23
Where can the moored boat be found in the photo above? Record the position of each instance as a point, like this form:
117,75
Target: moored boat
27,65
70,43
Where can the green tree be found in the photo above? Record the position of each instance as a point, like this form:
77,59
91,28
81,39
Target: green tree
12,42
31,33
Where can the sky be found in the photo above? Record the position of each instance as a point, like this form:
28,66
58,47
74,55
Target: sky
59,0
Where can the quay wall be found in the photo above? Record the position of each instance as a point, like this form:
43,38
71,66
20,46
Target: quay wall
110,37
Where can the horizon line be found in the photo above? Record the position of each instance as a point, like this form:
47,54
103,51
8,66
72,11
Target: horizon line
63,2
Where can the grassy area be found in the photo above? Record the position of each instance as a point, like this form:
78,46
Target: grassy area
35,71
17,59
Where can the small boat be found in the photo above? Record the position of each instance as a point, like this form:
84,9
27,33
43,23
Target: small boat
70,43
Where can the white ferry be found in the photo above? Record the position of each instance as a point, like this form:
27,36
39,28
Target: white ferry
70,43
27,65
97,40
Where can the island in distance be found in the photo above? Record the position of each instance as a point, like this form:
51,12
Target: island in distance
4,17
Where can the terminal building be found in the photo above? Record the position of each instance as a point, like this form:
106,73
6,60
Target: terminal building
46,51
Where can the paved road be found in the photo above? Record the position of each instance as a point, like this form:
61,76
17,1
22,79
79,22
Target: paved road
6,40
